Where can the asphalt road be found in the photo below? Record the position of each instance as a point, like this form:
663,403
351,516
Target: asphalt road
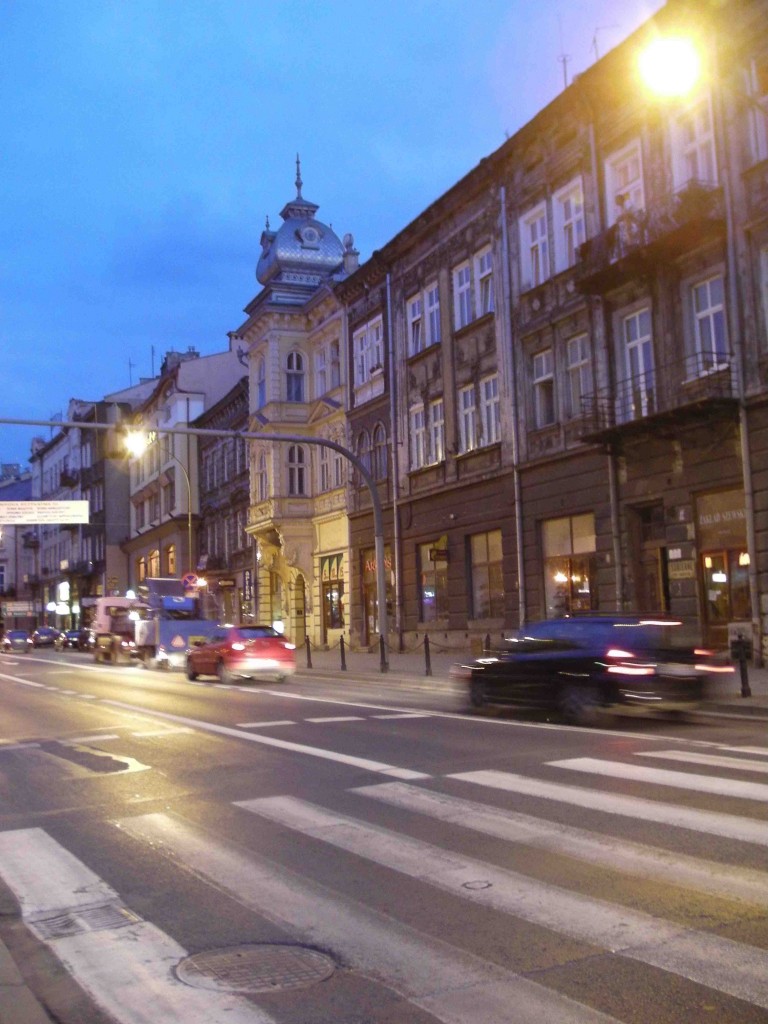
370,853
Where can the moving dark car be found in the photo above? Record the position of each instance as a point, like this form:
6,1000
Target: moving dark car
45,636
76,639
241,652
16,640
578,666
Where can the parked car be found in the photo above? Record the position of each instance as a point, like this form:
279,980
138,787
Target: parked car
16,641
45,636
76,639
580,665
242,652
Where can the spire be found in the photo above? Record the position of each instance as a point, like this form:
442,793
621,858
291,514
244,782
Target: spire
299,182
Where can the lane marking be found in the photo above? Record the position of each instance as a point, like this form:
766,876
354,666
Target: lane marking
126,967
453,985
720,964
741,764
732,788
338,718
272,741
730,826
263,725
637,859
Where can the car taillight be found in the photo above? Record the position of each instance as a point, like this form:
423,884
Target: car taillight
620,666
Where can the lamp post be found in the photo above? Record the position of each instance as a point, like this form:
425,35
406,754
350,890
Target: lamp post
136,444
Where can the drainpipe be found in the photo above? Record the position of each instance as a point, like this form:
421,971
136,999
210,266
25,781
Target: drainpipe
509,342
395,473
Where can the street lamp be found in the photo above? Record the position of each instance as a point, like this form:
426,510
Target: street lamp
136,443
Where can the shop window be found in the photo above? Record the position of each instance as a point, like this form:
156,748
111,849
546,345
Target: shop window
433,580
486,575
171,560
332,582
569,565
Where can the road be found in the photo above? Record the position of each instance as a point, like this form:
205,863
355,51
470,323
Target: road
356,853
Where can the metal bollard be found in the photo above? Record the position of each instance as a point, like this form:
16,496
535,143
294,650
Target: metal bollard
343,657
427,658
739,650
309,652
487,643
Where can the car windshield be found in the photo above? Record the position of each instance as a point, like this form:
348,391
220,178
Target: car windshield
257,632
637,634
17,634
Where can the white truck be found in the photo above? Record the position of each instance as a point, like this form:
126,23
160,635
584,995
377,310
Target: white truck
113,627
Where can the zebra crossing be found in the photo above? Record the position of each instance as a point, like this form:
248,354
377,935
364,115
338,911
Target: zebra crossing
425,839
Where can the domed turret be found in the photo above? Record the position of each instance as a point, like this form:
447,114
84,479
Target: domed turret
303,251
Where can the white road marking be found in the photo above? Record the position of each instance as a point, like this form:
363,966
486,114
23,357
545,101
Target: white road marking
90,739
740,764
338,718
403,714
126,968
732,788
721,964
263,725
729,826
623,856
272,741
454,986
760,751
161,733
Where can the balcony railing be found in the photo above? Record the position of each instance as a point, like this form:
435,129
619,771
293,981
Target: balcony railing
667,226
672,390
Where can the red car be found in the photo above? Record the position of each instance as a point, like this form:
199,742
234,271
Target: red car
242,652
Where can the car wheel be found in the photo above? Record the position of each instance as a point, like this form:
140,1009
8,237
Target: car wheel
225,676
579,704
191,674
477,695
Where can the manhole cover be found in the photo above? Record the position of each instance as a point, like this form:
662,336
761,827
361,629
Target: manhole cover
255,968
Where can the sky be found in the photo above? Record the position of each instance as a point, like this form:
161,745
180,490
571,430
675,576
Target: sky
144,142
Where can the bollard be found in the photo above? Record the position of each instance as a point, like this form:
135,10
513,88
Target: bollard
487,643
343,658
427,658
309,652
383,666
739,648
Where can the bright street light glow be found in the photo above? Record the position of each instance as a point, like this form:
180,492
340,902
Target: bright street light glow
670,67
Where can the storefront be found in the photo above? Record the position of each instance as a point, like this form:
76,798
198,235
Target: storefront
568,546
370,602
721,524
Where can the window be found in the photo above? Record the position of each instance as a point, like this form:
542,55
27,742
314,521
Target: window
418,438
484,281
624,182
294,377
335,360
153,563
433,580
296,485
467,426
636,394
694,145
368,348
380,452
570,564
436,431
579,368
534,248
709,324
321,376
433,314
544,388
462,296
261,383
364,449
416,340
338,463
757,88
568,216
170,557
490,412
261,478
324,464
486,575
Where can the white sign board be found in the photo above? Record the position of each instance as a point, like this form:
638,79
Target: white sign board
28,513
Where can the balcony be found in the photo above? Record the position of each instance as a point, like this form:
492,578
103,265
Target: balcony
669,394
69,478
634,245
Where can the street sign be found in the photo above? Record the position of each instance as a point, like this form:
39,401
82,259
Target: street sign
28,513
189,580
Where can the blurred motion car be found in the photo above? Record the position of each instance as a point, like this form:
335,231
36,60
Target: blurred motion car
45,636
242,652
582,665
75,639
16,641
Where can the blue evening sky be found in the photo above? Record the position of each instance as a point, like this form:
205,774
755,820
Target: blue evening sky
145,141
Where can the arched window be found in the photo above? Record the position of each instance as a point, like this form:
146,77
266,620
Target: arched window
380,461
261,383
153,563
294,377
141,570
170,558
261,478
364,449
296,473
